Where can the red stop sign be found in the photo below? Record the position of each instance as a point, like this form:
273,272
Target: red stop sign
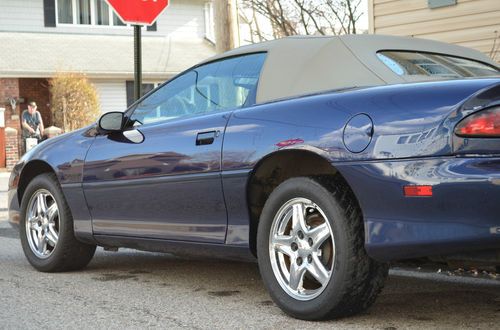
139,12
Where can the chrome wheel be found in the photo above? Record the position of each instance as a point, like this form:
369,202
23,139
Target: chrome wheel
302,249
42,223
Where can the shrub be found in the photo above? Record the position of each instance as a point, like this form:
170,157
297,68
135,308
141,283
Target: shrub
75,103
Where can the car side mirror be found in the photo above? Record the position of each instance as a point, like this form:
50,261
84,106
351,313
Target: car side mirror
111,122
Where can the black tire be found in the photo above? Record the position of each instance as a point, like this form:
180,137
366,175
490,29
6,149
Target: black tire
355,280
69,253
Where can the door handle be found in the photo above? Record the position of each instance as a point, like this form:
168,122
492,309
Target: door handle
205,138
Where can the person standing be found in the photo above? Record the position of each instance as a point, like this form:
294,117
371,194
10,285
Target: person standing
32,123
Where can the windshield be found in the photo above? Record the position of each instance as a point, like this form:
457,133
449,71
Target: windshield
428,65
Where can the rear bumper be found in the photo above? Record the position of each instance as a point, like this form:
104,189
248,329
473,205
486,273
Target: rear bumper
462,215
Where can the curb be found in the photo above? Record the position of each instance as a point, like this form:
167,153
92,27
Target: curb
444,277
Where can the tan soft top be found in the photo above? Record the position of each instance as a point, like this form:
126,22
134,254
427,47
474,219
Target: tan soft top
303,65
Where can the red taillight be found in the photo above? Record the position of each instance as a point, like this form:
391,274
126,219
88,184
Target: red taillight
485,123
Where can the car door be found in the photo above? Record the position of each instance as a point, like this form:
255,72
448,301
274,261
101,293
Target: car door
160,177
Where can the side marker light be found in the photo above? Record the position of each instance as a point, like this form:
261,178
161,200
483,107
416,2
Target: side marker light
418,191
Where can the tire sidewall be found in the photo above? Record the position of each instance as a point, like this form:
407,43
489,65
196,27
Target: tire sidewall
320,306
46,182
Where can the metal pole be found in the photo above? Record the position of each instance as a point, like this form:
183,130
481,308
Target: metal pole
137,63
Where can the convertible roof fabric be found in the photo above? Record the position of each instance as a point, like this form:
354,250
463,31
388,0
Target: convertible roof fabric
304,65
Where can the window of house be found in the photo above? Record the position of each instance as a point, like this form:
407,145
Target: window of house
83,15
117,21
209,21
65,11
86,12
102,13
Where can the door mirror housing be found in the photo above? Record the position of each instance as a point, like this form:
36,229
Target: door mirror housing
111,122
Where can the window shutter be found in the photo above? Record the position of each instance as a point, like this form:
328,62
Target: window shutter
49,11
152,27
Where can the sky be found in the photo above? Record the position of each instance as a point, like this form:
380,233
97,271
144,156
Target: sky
363,21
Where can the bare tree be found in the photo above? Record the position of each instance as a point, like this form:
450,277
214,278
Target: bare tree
292,17
249,17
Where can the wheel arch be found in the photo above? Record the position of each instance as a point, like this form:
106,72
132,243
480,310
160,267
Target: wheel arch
275,168
29,172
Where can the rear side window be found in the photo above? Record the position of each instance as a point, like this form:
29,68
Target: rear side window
414,64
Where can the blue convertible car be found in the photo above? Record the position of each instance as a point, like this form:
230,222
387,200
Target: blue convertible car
325,158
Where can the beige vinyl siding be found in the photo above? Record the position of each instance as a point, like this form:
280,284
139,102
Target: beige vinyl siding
25,15
469,23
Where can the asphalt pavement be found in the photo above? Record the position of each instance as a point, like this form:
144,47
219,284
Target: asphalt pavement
132,289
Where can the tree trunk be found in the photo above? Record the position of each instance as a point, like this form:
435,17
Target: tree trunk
226,25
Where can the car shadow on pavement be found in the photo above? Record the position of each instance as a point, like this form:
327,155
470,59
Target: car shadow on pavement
405,300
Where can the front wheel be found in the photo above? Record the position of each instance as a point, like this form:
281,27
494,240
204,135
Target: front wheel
46,229
310,246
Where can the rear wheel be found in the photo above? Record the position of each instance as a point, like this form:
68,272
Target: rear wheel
311,250
46,229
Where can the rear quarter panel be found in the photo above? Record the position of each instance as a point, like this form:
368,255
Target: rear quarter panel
410,121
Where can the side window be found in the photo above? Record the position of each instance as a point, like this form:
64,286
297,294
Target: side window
222,85
408,63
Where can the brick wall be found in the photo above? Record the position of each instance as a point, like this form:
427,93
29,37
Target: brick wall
9,88
32,89
11,147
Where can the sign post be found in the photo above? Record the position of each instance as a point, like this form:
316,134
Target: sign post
137,63
138,13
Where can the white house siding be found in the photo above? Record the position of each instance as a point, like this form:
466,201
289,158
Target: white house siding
21,15
112,95
182,19
469,23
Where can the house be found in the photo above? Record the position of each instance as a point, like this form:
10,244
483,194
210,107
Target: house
469,23
42,37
